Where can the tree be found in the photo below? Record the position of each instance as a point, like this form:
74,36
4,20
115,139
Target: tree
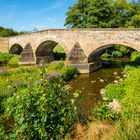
103,14
6,32
127,14
89,14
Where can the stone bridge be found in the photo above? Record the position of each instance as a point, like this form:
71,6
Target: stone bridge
82,46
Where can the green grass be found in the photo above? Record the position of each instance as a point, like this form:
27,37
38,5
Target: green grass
14,60
58,48
7,58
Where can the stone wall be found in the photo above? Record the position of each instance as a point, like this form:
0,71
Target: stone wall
4,45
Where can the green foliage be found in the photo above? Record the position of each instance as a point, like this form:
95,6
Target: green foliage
103,112
106,55
5,57
6,32
127,122
90,14
117,51
129,125
38,106
103,14
55,66
127,14
67,72
59,48
16,49
114,91
14,60
117,54
59,52
135,56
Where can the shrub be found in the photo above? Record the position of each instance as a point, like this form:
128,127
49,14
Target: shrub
55,66
115,91
40,109
116,54
103,112
67,72
5,57
135,57
106,55
14,60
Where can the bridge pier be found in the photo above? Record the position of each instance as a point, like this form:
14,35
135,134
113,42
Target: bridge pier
27,56
87,67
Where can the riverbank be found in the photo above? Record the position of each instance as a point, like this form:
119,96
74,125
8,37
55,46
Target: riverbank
118,117
34,102
31,87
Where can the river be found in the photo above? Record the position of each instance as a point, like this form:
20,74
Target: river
90,86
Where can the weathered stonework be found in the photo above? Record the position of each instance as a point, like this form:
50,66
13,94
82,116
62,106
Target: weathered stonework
80,45
4,45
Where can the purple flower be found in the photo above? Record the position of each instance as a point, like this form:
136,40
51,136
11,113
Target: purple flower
3,70
52,76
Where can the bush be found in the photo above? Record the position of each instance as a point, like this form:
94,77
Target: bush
103,112
14,60
106,55
5,57
56,66
115,91
39,109
67,72
135,57
116,54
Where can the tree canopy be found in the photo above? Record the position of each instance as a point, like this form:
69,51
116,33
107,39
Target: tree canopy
6,32
103,14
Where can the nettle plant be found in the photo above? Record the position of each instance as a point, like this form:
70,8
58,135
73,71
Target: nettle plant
39,109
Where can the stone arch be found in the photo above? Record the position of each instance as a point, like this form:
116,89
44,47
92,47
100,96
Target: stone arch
44,51
94,55
77,55
16,49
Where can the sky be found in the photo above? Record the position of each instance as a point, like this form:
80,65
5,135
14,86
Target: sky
26,15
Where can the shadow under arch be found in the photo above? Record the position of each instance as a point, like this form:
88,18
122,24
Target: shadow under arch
96,54
46,52
16,49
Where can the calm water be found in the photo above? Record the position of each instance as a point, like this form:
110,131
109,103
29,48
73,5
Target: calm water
91,84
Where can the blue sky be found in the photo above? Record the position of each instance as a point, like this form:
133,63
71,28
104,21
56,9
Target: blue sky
25,15
29,14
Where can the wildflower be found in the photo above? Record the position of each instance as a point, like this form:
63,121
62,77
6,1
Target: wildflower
115,105
52,76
